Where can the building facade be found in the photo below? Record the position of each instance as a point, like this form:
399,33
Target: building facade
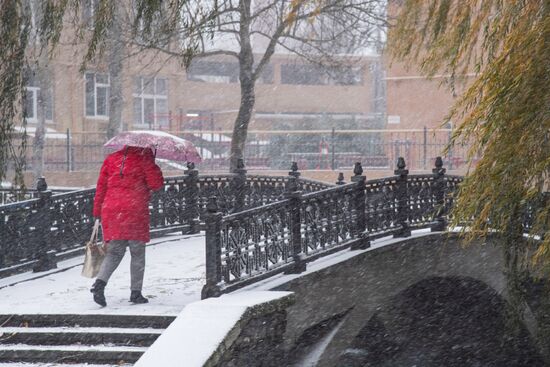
364,110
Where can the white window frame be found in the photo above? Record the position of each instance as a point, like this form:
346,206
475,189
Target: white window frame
155,97
96,86
34,91
34,119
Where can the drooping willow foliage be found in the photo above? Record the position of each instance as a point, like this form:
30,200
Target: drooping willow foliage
14,33
504,114
24,35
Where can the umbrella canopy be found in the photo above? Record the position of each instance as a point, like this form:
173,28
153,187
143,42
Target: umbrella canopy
167,146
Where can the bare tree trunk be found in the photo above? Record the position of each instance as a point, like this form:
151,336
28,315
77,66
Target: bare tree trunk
116,54
247,83
44,96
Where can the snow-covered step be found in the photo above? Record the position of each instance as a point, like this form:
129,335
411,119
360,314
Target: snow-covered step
69,329
87,320
108,339
142,337
47,364
105,354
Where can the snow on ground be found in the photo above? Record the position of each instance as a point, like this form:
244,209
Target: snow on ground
174,276
7,364
200,328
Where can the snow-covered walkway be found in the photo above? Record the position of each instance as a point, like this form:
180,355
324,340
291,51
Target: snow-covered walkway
174,276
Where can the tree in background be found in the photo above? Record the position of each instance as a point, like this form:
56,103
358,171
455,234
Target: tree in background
26,40
504,113
116,50
14,35
323,32
38,74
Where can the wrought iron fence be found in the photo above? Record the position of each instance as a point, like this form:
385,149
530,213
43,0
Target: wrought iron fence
256,226
38,231
284,235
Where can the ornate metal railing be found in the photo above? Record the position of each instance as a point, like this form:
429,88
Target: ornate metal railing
328,219
263,241
11,195
255,241
380,207
37,231
284,235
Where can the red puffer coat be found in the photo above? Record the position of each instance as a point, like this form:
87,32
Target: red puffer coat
123,191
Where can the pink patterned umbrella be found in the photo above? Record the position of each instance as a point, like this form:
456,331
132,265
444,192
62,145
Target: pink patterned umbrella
167,145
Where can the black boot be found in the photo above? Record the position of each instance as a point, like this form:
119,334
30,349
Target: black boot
98,289
137,297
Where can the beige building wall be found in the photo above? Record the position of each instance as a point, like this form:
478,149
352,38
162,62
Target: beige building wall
222,100
414,101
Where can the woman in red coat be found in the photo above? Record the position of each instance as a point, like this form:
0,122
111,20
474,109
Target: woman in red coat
125,182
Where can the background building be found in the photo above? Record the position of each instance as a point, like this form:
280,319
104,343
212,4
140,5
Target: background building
325,119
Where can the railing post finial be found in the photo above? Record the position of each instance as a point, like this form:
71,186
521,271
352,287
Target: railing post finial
294,170
358,169
41,184
292,185
359,205
438,162
438,194
401,165
402,199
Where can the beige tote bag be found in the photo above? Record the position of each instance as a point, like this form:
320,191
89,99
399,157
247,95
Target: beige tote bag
95,253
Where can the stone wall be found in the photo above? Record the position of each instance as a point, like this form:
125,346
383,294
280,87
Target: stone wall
256,339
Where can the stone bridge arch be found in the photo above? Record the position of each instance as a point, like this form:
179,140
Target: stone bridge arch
449,321
361,285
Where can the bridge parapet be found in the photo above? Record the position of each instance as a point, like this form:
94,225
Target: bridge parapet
284,235
53,226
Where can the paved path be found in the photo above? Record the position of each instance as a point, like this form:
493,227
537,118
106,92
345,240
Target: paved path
174,276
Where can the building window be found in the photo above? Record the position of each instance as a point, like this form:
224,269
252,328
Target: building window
150,101
213,72
31,100
346,75
302,74
97,95
307,74
266,76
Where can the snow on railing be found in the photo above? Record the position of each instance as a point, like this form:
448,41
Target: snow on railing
283,236
34,232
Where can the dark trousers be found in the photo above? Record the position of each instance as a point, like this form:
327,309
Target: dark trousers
115,252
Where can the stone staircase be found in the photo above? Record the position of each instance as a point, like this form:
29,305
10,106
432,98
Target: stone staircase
77,339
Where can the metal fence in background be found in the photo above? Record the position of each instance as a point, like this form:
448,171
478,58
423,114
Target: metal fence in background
311,149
